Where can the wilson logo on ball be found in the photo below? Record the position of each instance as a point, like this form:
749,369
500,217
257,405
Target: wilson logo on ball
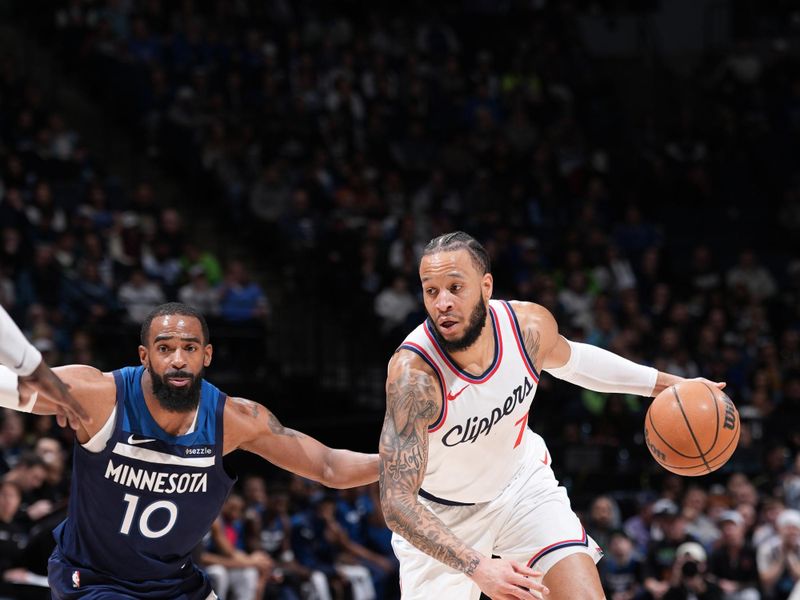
654,450
730,414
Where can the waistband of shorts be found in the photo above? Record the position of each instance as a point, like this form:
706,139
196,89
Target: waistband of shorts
445,501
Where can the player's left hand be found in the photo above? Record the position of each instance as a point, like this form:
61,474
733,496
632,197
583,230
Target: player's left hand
502,579
68,410
717,384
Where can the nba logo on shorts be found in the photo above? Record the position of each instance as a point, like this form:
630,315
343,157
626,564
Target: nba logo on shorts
76,579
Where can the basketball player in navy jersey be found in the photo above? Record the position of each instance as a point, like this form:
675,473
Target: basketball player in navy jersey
462,476
148,479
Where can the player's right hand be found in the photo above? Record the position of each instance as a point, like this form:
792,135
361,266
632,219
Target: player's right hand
68,410
502,579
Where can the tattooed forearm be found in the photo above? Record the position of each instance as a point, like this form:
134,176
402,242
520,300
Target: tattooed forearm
411,405
410,461
532,340
426,531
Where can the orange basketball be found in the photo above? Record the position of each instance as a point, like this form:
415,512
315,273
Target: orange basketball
692,428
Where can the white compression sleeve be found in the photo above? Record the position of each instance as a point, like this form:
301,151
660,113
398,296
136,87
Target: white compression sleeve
9,392
16,352
603,371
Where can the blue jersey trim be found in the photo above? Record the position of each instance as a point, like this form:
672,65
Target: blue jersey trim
432,498
470,377
520,338
558,546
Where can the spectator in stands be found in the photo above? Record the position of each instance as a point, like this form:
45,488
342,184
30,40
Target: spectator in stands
271,532
198,292
139,295
756,279
733,560
241,299
698,524
779,557
638,526
791,484
56,485
229,566
13,530
621,571
662,553
29,474
320,543
161,265
690,579
394,305
12,430
41,282
767,526
604,519
86,299
194,256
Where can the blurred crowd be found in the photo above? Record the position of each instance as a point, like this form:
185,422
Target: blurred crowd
332,142
82,259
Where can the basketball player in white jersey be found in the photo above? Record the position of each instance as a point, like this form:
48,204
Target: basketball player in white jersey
462,476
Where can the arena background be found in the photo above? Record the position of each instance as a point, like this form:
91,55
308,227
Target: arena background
633,166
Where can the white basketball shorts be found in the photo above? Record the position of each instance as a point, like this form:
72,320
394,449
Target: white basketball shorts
530,522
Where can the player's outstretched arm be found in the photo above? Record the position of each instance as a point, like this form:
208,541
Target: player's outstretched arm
92,390
583,364
24,364
413,402
251,427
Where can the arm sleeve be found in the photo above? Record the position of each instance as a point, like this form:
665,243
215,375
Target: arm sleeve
602,371
16,352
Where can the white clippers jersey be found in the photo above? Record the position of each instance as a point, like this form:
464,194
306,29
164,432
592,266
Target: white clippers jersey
481,437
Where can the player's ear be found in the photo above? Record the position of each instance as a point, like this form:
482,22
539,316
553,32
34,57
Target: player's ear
487,286
143,355
207,352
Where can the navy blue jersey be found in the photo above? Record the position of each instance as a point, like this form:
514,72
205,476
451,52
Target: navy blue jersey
138,508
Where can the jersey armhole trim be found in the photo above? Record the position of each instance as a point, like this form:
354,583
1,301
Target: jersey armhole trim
419,351
518,337
99,441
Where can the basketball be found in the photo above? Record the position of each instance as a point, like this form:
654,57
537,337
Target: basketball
692,428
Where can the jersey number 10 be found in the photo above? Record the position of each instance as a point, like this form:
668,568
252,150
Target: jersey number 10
144,518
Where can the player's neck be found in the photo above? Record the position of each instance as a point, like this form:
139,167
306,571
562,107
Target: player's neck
479,356
174,423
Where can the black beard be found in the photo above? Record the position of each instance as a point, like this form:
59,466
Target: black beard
477,320
172,399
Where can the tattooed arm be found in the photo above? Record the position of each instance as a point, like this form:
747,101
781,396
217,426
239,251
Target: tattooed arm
413,402
250,426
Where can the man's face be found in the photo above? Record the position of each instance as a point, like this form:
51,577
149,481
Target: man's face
34,478
176,357
456,296
10,499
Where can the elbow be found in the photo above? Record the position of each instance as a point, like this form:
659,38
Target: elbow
329,478
336,478
395,513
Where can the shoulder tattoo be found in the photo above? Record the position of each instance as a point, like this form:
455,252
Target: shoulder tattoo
532,340
254,411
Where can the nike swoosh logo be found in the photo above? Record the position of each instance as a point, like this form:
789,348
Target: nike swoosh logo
546,459
135,442
21,360
452,396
